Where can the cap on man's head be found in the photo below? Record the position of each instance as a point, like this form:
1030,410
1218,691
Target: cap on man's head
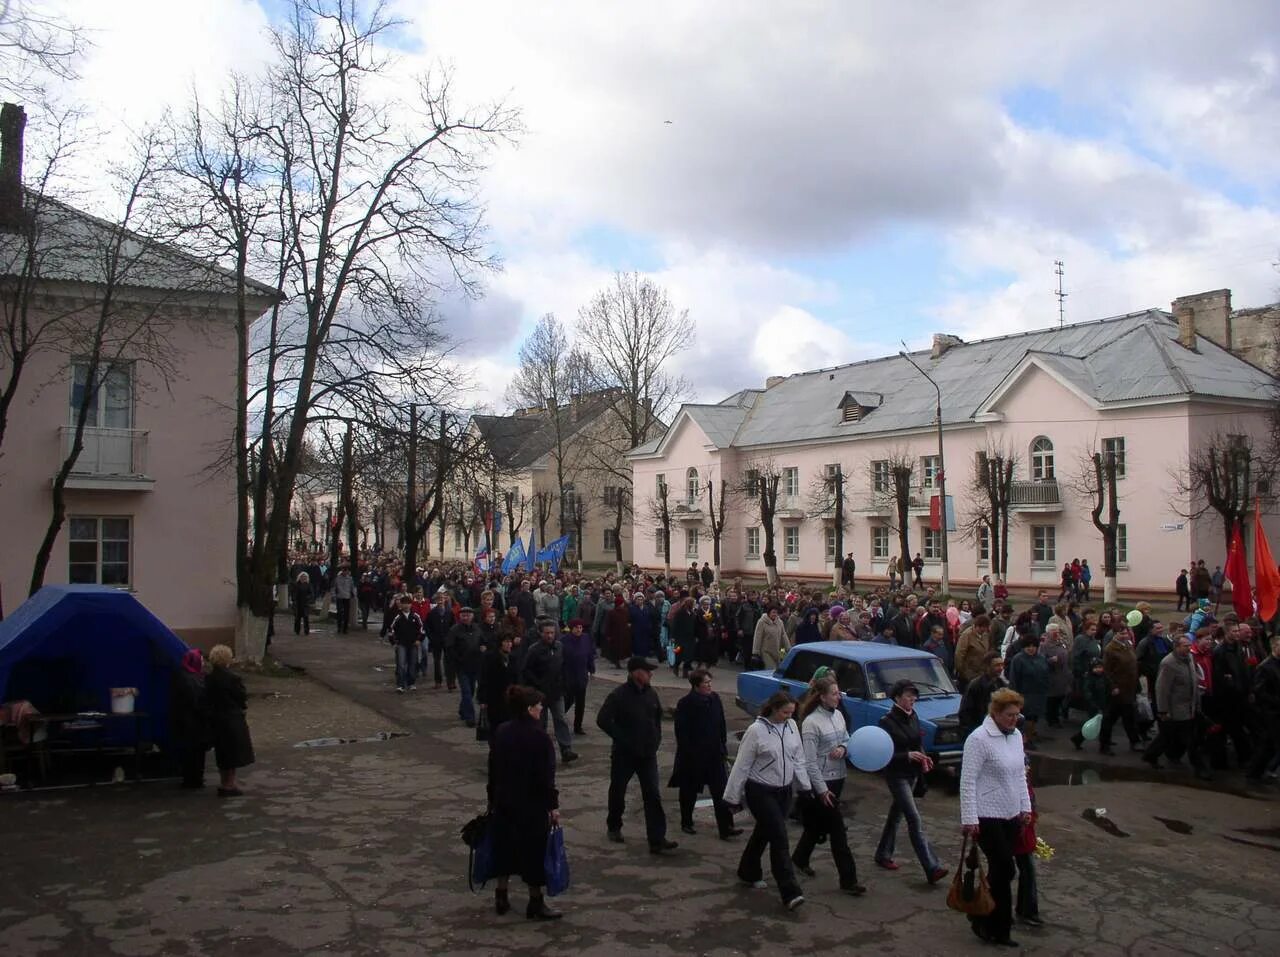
640,663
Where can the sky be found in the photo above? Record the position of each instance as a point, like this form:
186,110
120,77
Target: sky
815,181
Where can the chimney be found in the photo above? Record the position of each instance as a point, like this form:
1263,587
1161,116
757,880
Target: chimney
773,380
942,341
13,120
1206,314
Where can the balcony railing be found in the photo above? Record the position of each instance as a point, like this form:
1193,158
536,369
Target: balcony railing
108,453
1035,494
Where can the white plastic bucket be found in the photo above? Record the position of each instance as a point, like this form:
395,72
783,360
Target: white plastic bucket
121,704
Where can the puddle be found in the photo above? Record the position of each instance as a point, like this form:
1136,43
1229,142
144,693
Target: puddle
1178,827
334,742
1101,820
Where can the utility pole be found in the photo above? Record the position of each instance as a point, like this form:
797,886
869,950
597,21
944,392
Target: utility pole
837,482
941,478
1062,296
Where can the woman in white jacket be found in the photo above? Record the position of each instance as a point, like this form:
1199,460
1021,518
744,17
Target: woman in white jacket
824,736
770,760
994,804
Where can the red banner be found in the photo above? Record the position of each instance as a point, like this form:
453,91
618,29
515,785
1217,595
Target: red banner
1264,569
935,513
1237,572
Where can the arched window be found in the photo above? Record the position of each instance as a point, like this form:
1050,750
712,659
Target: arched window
691,484
1042,460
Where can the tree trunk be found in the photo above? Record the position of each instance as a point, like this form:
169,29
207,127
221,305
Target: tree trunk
251,635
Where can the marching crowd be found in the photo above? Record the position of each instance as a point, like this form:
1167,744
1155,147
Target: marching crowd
520,650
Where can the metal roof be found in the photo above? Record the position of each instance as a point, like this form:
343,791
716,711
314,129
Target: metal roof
1121,359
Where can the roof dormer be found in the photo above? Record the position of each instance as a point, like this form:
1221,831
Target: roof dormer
856,406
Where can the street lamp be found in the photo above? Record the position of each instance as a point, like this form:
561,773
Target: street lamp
941,477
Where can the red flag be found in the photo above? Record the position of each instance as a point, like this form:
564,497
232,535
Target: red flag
935,514
1237,572
1264,569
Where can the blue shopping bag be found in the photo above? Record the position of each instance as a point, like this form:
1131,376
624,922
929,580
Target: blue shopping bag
556,863
477,834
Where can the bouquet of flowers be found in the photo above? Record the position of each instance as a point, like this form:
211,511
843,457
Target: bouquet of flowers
1043,851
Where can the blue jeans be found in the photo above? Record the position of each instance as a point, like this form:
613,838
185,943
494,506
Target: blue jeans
466,706
904,805
554,710
406,665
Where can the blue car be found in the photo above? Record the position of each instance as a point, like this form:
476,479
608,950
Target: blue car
865,672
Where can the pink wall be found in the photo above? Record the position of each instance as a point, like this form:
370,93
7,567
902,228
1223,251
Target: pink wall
182,561
1156,441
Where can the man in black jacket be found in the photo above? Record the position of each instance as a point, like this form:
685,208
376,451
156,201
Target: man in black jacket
1266,702
406,634
848,568
464,645
632,718
439,621
543,669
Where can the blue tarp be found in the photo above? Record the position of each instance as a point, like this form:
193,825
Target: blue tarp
66,646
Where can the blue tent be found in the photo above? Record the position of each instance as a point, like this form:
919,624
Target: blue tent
66,646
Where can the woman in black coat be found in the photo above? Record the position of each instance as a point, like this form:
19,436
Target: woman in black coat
189,718
700,754
227,701
683,635
525,803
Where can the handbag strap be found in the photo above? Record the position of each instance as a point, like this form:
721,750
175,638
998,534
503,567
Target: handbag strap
964,849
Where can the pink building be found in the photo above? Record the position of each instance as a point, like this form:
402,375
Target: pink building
147,509
1149,388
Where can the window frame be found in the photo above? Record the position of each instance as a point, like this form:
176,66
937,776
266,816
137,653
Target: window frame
1048,547
983,544
1122,545
931,544
691,542
791,543
929,471
692,485
829,543
610,541
1043,461
100,542
790,482
876,532
1118,453
753,541
98,412
659,540
881,476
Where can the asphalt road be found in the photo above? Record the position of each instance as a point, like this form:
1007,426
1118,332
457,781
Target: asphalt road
354,849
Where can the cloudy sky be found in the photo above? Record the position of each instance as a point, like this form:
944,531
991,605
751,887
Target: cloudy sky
816,180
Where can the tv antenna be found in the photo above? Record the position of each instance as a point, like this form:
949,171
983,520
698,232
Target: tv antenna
1062,296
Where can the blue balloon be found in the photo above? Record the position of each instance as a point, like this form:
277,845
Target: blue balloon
870,748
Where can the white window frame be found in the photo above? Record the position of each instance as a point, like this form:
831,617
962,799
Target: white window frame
659,539
880,539
791,543
1122,545
751,481
829,541
610,540
984,545
1114,447
691,543
753,542
100,541
1044,546
659,483
931,544
929,471
457,538
790,482
1043,468
98,414
692,485
881,476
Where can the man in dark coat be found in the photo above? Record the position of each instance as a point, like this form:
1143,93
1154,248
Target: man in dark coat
439,621
526,604
700,754
847,569
632,718
544,669
579,665
1231,687
464,646
707,575
1266,700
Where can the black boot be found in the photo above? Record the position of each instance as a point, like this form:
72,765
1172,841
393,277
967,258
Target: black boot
538,910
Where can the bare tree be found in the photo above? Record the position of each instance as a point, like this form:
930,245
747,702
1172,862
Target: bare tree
35,47
515,503
1096,485
621,509
717,493
827,503
1222,475
659,511
544,507
892,489
991,488
758,486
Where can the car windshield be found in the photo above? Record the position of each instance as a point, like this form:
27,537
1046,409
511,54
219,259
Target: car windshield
927,674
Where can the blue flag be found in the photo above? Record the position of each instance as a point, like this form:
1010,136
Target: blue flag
553,554
514,558
532,552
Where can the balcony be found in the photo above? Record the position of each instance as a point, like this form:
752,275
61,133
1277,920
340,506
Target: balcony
790,508
111,460
687,510
1043,496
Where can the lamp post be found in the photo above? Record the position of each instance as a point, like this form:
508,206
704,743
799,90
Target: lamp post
940,479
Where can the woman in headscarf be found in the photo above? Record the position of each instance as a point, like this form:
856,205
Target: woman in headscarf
617,632
706,630
189,718
842,630
807,630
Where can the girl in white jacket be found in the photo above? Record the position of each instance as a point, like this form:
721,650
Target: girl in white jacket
824,736
770,760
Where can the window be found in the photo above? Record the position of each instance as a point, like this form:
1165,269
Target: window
568,503
931,549
691,485
929,470
984,543
611,496
98,551
1042,460
805,663
610,540
752,482
830,535
791,542
457,538
1113,451
753,542
690,543
831,471
1122,544
880,542
1044,547
660,485
982,469
659,541
881,477
111,405
791,482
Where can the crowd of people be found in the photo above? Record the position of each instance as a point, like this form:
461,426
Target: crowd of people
520,650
